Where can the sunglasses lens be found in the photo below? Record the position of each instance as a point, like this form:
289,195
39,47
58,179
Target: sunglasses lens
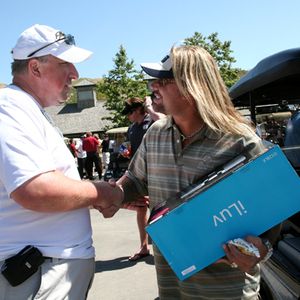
69,39
149,84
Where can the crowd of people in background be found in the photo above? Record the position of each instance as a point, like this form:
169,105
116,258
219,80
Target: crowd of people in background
269,129
91,154
106,153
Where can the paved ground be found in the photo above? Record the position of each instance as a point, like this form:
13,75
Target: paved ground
115,277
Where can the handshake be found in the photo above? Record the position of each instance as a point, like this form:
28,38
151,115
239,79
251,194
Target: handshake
111,195
110,198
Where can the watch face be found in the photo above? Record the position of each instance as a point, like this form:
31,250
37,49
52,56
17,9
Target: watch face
269,248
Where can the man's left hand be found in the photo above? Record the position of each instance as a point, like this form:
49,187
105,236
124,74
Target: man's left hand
243,261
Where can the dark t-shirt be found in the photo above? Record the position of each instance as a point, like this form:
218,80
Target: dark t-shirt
136,132
105,144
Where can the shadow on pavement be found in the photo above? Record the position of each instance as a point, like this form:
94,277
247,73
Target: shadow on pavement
120,263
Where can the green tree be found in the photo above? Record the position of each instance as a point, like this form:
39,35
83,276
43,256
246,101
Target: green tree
121,83
220,51
72,97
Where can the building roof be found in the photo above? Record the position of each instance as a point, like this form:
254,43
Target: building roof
74,121
84,82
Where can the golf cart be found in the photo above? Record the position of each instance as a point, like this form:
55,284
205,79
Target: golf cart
272,89
118,163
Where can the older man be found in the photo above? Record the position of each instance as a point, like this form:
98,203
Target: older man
43,203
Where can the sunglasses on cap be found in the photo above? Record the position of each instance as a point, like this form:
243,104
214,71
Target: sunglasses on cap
60,36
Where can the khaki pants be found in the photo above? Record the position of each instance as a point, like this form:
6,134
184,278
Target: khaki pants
59,279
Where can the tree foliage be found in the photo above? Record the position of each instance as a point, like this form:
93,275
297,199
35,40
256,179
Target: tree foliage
122,82
220,51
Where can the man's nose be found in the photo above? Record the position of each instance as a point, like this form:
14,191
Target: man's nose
73,72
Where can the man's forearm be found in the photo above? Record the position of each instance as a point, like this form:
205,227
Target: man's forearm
54,192
129,189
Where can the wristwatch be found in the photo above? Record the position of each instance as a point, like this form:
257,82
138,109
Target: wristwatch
269,247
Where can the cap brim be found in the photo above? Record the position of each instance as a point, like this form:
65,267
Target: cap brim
148,77
156,70
71,54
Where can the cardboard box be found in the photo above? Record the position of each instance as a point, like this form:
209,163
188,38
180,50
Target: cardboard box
250,200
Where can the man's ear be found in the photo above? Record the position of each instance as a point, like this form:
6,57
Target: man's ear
34,67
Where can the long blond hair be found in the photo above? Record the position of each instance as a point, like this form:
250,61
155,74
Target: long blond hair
198,79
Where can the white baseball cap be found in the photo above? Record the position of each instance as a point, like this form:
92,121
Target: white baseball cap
40,40
162,69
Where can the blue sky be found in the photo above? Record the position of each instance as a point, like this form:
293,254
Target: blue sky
147,29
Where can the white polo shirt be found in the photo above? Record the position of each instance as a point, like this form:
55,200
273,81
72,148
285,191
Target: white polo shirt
29,146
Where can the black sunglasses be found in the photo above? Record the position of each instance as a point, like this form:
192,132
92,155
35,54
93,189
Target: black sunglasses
160,82
60,36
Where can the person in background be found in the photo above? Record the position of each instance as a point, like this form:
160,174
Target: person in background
202,131
112,147
99,150
72,148
81,157
90,144
135,112
105,151
140,121
43,201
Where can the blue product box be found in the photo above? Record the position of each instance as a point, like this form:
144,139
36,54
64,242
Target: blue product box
248,201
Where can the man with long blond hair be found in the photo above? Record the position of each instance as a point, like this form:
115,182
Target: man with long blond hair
202,132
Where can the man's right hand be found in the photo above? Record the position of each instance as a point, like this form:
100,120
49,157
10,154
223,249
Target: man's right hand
110,197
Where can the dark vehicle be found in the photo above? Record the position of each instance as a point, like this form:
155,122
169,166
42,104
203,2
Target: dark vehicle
272,87
273,81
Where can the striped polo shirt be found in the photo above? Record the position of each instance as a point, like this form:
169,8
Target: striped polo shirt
162,168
